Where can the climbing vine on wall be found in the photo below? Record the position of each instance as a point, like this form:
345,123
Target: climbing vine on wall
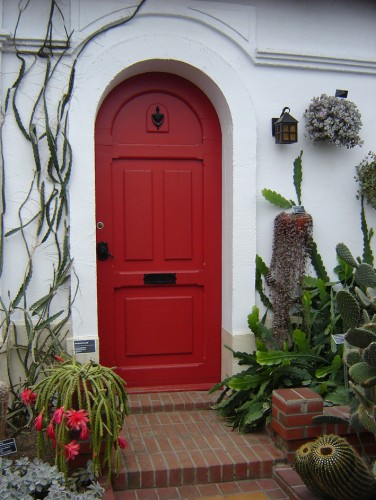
33,330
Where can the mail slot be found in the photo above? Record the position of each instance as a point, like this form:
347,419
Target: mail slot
160,279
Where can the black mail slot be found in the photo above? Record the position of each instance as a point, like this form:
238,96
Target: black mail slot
160,279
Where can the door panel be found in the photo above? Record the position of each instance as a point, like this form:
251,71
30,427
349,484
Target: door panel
158,184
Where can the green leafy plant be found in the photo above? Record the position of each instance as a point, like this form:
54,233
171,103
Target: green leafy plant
77,402
307,356
35,479
310,360
366,178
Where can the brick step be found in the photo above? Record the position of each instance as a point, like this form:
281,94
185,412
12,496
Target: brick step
175,447
290,482
251,489
171,401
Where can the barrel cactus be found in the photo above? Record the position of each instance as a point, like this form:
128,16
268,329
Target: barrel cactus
331,468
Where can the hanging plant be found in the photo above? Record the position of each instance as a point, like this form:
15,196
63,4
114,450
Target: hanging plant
291,247
366,177
334,120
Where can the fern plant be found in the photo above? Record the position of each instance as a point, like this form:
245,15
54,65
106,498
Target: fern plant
75,402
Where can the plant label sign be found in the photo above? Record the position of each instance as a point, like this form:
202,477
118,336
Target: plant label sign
339,338
84,346
298,209
7,446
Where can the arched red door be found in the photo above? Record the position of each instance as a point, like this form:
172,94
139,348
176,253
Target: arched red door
158,213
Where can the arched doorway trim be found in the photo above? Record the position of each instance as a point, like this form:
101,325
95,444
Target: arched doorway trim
221,80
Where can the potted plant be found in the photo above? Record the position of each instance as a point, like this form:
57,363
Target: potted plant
76,404
335,120
366,177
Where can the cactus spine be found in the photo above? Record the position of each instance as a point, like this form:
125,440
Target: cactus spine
331,468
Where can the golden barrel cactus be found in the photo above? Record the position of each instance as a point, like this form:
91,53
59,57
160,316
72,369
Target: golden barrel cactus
332,468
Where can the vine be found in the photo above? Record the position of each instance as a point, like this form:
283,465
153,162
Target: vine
45,226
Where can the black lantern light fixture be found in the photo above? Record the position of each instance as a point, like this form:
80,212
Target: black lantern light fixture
285,128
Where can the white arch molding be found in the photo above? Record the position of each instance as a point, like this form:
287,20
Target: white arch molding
101,68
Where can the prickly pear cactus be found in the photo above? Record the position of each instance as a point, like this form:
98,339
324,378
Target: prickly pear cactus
349,309
331,468
4,396
360,333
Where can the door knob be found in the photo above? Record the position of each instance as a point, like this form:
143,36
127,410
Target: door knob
102,250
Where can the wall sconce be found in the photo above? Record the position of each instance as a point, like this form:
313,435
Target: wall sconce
285,128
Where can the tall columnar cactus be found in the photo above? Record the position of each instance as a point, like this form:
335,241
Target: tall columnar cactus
357,306
4,397
332,468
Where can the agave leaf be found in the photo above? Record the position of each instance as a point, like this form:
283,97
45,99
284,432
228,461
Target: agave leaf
276,199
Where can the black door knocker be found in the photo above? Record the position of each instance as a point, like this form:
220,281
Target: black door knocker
157,117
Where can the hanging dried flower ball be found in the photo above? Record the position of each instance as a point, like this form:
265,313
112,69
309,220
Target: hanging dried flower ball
291,246
334,120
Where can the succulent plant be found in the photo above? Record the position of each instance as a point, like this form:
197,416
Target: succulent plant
335,120
366,177
85,402
27,480
357,305
4,396
333,469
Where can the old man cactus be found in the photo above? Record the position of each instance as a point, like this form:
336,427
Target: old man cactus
357,306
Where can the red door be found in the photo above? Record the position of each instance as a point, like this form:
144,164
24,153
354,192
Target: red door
158,196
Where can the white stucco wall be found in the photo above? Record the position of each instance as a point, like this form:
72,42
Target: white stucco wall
252,58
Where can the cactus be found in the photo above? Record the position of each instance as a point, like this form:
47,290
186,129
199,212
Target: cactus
364,300
369,354
359,324
361,373
344,253
302,464
360,337
352,356
331,468
4,397
367,418
365,275
349,309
